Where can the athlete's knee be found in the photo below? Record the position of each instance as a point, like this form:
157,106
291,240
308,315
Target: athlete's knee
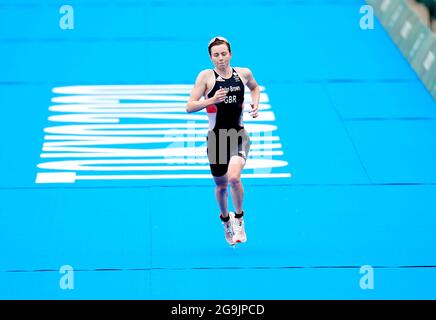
234,180
221,185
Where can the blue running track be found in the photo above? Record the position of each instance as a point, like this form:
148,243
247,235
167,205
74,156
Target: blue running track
101,168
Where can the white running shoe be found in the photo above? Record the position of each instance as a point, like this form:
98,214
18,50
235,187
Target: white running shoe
238,229
228,232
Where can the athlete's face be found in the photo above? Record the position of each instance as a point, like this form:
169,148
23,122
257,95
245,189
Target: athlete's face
220,56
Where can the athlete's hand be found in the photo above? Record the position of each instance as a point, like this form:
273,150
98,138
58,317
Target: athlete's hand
219,96
254,110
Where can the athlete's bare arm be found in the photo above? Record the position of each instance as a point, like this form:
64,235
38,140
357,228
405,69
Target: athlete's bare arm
194,102
254,90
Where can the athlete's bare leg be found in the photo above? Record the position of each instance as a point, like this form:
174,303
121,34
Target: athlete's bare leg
236,165
221,194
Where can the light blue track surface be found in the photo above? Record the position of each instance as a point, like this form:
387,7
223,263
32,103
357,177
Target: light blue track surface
356,126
